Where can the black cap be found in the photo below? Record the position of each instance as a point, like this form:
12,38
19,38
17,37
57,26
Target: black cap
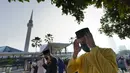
80,33
46,52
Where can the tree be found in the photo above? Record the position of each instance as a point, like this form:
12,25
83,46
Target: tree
49,38
116,19
10,61
36,42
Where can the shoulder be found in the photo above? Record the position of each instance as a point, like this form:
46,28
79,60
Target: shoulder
82,56
107,50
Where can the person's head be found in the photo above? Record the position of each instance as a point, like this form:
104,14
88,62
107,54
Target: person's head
34,64
83,35
46,53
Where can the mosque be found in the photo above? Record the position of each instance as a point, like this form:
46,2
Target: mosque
54,47
10,52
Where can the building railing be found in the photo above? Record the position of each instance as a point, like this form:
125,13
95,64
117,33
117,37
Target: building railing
64,54
17,55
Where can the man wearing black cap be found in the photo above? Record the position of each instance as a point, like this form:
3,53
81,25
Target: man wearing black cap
51,66
95,60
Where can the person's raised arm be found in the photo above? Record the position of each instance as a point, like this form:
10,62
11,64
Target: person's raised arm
75,62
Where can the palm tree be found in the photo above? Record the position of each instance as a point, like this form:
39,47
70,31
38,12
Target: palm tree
49,38
36,42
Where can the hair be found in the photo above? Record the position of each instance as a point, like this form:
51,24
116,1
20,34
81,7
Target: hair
46,52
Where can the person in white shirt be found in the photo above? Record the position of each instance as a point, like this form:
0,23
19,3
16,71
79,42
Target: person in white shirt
40,63
33,66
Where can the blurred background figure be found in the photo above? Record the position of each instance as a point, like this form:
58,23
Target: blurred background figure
121,64
34,67
40,63
51,66
127,62
61,65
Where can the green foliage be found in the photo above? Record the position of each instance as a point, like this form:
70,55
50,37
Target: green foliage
10,61
7,61
116,19
27,0
9,0
72,7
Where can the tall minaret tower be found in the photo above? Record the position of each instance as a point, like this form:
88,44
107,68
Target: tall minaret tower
29,25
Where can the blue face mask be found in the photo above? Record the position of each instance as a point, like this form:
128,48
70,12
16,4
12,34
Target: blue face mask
85,47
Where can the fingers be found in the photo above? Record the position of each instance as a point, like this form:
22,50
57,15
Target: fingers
75,41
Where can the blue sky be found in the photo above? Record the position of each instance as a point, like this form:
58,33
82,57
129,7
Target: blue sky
48,19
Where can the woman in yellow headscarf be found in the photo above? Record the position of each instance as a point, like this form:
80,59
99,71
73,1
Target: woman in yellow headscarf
96,60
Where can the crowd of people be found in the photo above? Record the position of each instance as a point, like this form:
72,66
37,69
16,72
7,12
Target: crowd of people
94,60
124,63
48,64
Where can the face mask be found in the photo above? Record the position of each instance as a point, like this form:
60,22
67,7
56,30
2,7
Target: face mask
85,47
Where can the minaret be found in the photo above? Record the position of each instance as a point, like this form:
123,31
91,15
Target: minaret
28,35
